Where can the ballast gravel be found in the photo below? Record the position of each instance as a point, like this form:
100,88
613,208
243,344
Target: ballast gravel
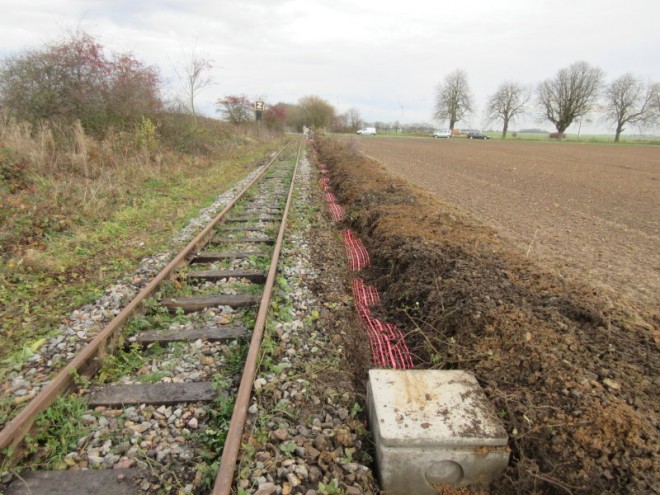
305,432
82,325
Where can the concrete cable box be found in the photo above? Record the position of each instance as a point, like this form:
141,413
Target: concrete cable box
433,428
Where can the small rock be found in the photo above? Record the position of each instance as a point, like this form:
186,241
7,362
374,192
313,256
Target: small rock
224,319
611,384
110,460
312,453
321,442
315,474
293,479
280,435
124,463
141,428
263,456
266,489
301,471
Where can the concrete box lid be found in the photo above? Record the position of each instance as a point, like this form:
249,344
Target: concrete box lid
432,408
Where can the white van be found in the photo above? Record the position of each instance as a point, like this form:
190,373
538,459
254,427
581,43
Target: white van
367,131
442,133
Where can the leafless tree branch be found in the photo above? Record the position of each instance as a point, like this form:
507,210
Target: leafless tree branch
453,98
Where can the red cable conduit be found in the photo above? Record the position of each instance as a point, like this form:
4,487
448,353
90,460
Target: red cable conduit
387,343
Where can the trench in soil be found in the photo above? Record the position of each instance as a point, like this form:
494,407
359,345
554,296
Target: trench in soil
572,372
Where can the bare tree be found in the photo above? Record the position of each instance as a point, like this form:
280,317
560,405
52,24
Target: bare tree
340,123
315,112
629,101
507,103
570,95
354,120
194,78
348,121
453,100
236,109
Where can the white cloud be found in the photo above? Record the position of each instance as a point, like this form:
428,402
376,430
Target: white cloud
375,55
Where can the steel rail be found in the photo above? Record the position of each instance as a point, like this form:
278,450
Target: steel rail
225,477
91,356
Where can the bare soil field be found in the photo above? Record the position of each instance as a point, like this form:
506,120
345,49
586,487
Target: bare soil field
588,211
572,369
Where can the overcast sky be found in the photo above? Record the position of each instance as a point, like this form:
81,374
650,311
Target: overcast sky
385,58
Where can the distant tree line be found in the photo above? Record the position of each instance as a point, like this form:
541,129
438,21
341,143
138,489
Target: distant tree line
572,94
311,111
76,79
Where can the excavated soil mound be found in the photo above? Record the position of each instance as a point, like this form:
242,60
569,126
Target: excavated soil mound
572,372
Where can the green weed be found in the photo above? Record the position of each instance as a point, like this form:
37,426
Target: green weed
123,362
356,409
288,447
331,488
59,428
212,439
235,358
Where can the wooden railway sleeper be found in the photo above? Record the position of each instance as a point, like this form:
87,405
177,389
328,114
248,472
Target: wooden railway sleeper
91,359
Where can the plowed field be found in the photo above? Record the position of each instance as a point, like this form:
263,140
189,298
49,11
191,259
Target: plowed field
591,211
546,291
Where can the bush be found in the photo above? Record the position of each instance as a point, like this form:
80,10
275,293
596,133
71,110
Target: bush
147,135
75,80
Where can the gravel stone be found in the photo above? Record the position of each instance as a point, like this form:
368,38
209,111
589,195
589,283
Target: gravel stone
312,437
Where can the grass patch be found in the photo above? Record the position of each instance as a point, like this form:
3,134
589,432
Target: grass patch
130,360
212,439
59,428
123,362
97,229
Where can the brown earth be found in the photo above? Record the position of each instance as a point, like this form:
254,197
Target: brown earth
591,211
571,368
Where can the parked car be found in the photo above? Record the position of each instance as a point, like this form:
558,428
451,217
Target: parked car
442,133
367,131
477,135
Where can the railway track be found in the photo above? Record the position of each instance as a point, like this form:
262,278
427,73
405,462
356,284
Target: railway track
165,386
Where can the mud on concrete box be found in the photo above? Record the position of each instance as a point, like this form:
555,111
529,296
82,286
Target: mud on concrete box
433,428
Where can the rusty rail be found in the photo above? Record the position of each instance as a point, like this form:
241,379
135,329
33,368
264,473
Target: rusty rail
90,358
224,480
